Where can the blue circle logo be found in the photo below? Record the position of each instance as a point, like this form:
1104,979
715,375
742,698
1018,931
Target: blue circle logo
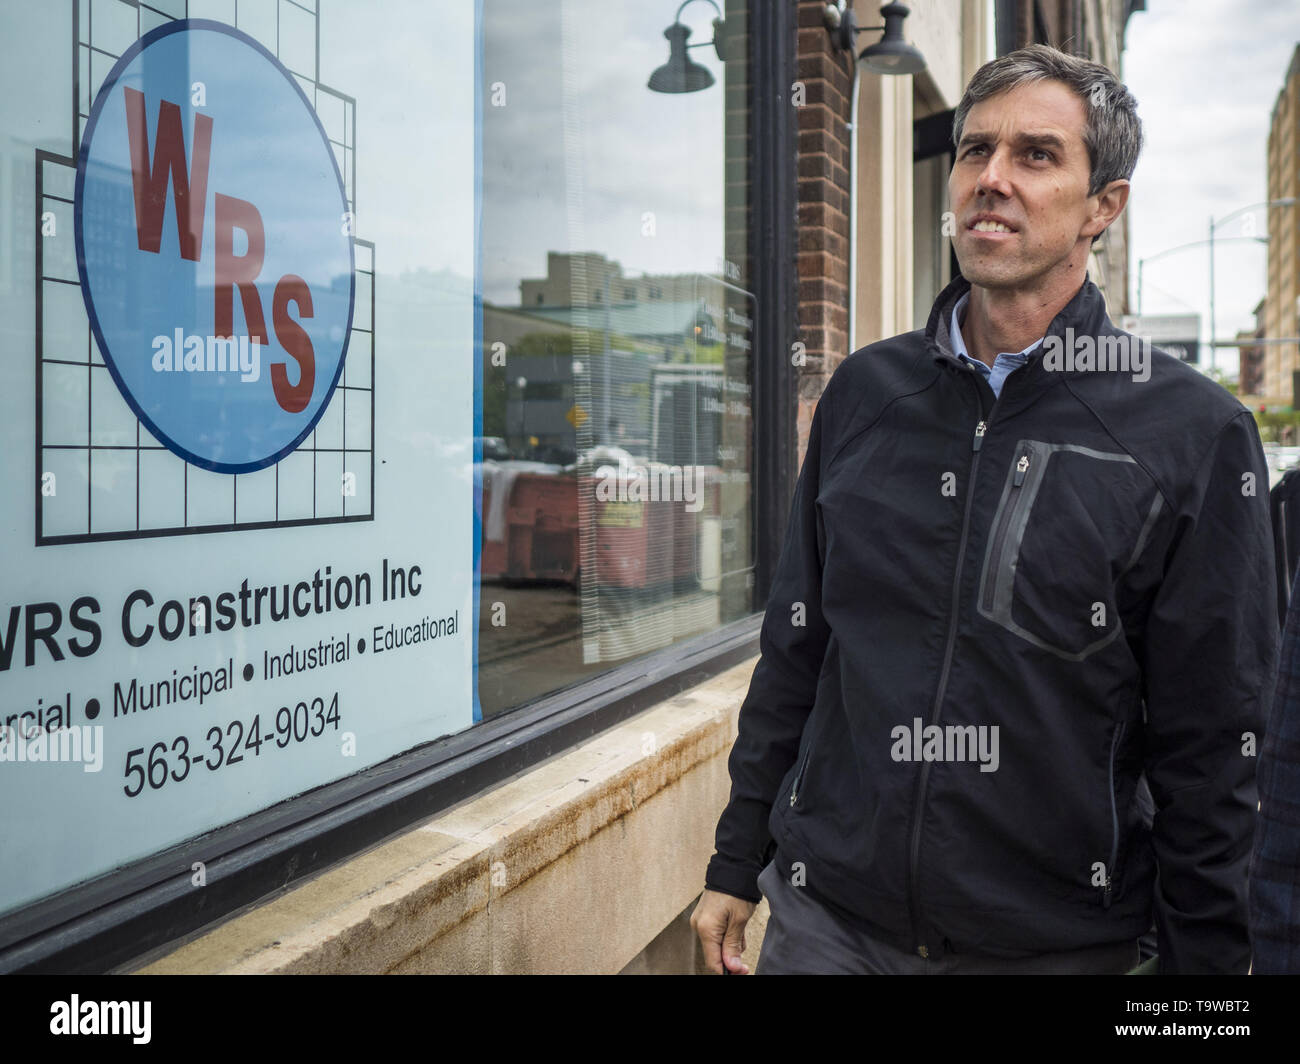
214,246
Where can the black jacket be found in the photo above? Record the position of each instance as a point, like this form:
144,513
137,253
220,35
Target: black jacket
1085,563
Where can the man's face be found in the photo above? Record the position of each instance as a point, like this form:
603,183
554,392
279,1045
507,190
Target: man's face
1022,159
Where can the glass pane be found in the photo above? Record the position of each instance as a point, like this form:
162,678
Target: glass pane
246,411
617,350
186,461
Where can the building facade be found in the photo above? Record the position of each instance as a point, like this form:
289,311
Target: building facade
1253,356
493,598
1282,301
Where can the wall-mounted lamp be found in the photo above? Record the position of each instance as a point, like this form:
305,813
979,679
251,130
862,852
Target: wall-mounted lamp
889,55
680,74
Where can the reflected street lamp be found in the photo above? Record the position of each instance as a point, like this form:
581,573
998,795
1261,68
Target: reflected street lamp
680,73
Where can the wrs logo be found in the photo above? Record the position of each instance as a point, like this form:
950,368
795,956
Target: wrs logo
214,246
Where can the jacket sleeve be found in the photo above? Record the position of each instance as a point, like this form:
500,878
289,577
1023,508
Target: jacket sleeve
792,645
1275,862
1209,652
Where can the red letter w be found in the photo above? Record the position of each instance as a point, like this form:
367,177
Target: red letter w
189,194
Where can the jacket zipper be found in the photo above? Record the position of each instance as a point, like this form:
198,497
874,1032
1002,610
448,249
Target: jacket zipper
1000,533
1114,820
918,800
798,779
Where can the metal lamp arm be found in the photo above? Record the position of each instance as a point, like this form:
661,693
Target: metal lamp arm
715,43
1216,223
686,3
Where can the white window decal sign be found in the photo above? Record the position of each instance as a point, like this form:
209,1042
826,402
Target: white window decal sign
237,556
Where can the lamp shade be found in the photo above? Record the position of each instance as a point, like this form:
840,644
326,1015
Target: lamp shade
892,54
680,73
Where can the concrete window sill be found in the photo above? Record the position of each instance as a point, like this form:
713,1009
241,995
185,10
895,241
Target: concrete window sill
573,866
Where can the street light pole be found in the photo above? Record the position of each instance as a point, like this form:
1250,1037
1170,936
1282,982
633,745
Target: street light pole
1213,334
1183,247
1286,201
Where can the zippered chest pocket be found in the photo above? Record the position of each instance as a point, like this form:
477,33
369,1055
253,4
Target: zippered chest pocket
1070,522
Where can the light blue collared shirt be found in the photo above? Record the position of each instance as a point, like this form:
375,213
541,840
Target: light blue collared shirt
1003,365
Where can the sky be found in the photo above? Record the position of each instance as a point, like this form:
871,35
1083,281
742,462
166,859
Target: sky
1206,76
581,156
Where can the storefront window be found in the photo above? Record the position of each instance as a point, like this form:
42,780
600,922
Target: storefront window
617,341
371,369
238,406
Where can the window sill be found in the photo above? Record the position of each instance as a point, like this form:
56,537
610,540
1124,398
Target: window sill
571,866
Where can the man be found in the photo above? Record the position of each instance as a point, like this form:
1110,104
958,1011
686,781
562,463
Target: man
1028,563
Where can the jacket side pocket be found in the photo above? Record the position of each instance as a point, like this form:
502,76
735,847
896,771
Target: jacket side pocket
816,722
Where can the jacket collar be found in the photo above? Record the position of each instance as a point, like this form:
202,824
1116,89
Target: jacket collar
1085,314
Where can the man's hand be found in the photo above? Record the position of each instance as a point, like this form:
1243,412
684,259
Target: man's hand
719,919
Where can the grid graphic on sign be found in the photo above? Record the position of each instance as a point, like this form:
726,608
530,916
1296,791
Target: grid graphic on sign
100,474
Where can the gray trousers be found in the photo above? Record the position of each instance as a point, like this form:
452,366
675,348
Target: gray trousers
804,938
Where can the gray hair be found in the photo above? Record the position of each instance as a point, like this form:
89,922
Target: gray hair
1112,132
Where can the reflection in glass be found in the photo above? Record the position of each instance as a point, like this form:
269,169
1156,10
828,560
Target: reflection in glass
617,344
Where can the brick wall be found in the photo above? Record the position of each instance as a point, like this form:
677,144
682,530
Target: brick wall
824,244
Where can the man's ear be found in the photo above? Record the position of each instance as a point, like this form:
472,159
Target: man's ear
1107,205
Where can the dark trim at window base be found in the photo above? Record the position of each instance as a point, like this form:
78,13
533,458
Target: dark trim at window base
127,917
